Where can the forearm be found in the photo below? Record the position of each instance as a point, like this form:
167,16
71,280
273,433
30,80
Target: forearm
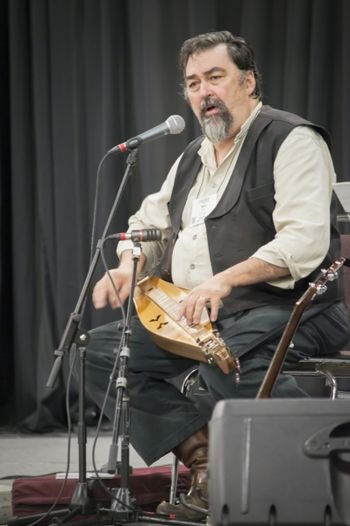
126,261
251,271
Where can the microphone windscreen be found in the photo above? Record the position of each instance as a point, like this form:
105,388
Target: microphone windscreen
176,124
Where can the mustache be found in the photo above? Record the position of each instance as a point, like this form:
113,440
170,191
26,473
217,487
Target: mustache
209,103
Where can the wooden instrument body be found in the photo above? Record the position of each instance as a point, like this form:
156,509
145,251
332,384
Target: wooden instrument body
157,305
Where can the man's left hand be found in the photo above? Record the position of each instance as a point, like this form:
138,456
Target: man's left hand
209,294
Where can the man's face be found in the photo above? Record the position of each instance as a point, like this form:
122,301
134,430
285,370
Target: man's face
218,92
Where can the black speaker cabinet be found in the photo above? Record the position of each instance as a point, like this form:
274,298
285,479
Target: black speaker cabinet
275,462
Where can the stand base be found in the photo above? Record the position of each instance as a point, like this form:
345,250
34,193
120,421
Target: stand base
123,506
83,499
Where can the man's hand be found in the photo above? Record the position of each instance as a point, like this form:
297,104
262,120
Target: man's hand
209,294
248,272
104,291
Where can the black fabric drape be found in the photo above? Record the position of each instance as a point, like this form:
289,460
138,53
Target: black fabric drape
79,76
6,303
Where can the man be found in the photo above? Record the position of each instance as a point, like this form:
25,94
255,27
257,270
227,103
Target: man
245,218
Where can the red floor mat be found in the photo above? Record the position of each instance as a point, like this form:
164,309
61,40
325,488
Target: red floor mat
148,486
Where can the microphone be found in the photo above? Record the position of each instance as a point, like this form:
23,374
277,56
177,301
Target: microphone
173,125
137,236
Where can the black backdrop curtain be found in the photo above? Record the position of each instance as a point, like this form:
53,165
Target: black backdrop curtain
77,77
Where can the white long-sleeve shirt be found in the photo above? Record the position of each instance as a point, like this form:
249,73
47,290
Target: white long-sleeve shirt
303,176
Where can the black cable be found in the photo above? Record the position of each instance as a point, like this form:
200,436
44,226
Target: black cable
69,431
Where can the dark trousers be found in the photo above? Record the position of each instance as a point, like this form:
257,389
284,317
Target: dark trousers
160,415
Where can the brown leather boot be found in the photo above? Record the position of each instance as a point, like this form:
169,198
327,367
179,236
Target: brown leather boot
193,453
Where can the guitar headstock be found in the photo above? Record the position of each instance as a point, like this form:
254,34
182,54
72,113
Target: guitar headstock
319,286
329,274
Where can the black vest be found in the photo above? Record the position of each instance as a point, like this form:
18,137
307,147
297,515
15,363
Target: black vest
242,222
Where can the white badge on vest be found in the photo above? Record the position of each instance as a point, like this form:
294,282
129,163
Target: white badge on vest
201,207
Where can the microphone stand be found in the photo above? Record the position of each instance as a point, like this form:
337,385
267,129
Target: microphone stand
123,503
122,506
82,501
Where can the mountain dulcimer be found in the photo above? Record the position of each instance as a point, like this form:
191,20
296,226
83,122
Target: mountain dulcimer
157,305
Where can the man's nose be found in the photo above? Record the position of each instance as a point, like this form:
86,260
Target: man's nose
205,89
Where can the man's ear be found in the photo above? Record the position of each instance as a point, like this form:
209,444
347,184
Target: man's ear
250,82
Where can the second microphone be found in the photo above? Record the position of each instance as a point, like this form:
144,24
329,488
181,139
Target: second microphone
138,236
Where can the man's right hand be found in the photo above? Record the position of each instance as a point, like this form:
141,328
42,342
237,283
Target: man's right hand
104,292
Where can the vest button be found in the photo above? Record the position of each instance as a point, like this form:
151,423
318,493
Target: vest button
192,266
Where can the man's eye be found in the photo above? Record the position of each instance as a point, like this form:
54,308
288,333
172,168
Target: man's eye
193,85
215,77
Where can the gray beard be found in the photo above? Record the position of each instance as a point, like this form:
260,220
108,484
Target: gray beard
216,128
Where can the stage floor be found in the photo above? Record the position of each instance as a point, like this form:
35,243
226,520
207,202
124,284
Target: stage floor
26,455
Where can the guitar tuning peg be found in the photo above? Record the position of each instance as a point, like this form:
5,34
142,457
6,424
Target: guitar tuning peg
333,276
321,289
